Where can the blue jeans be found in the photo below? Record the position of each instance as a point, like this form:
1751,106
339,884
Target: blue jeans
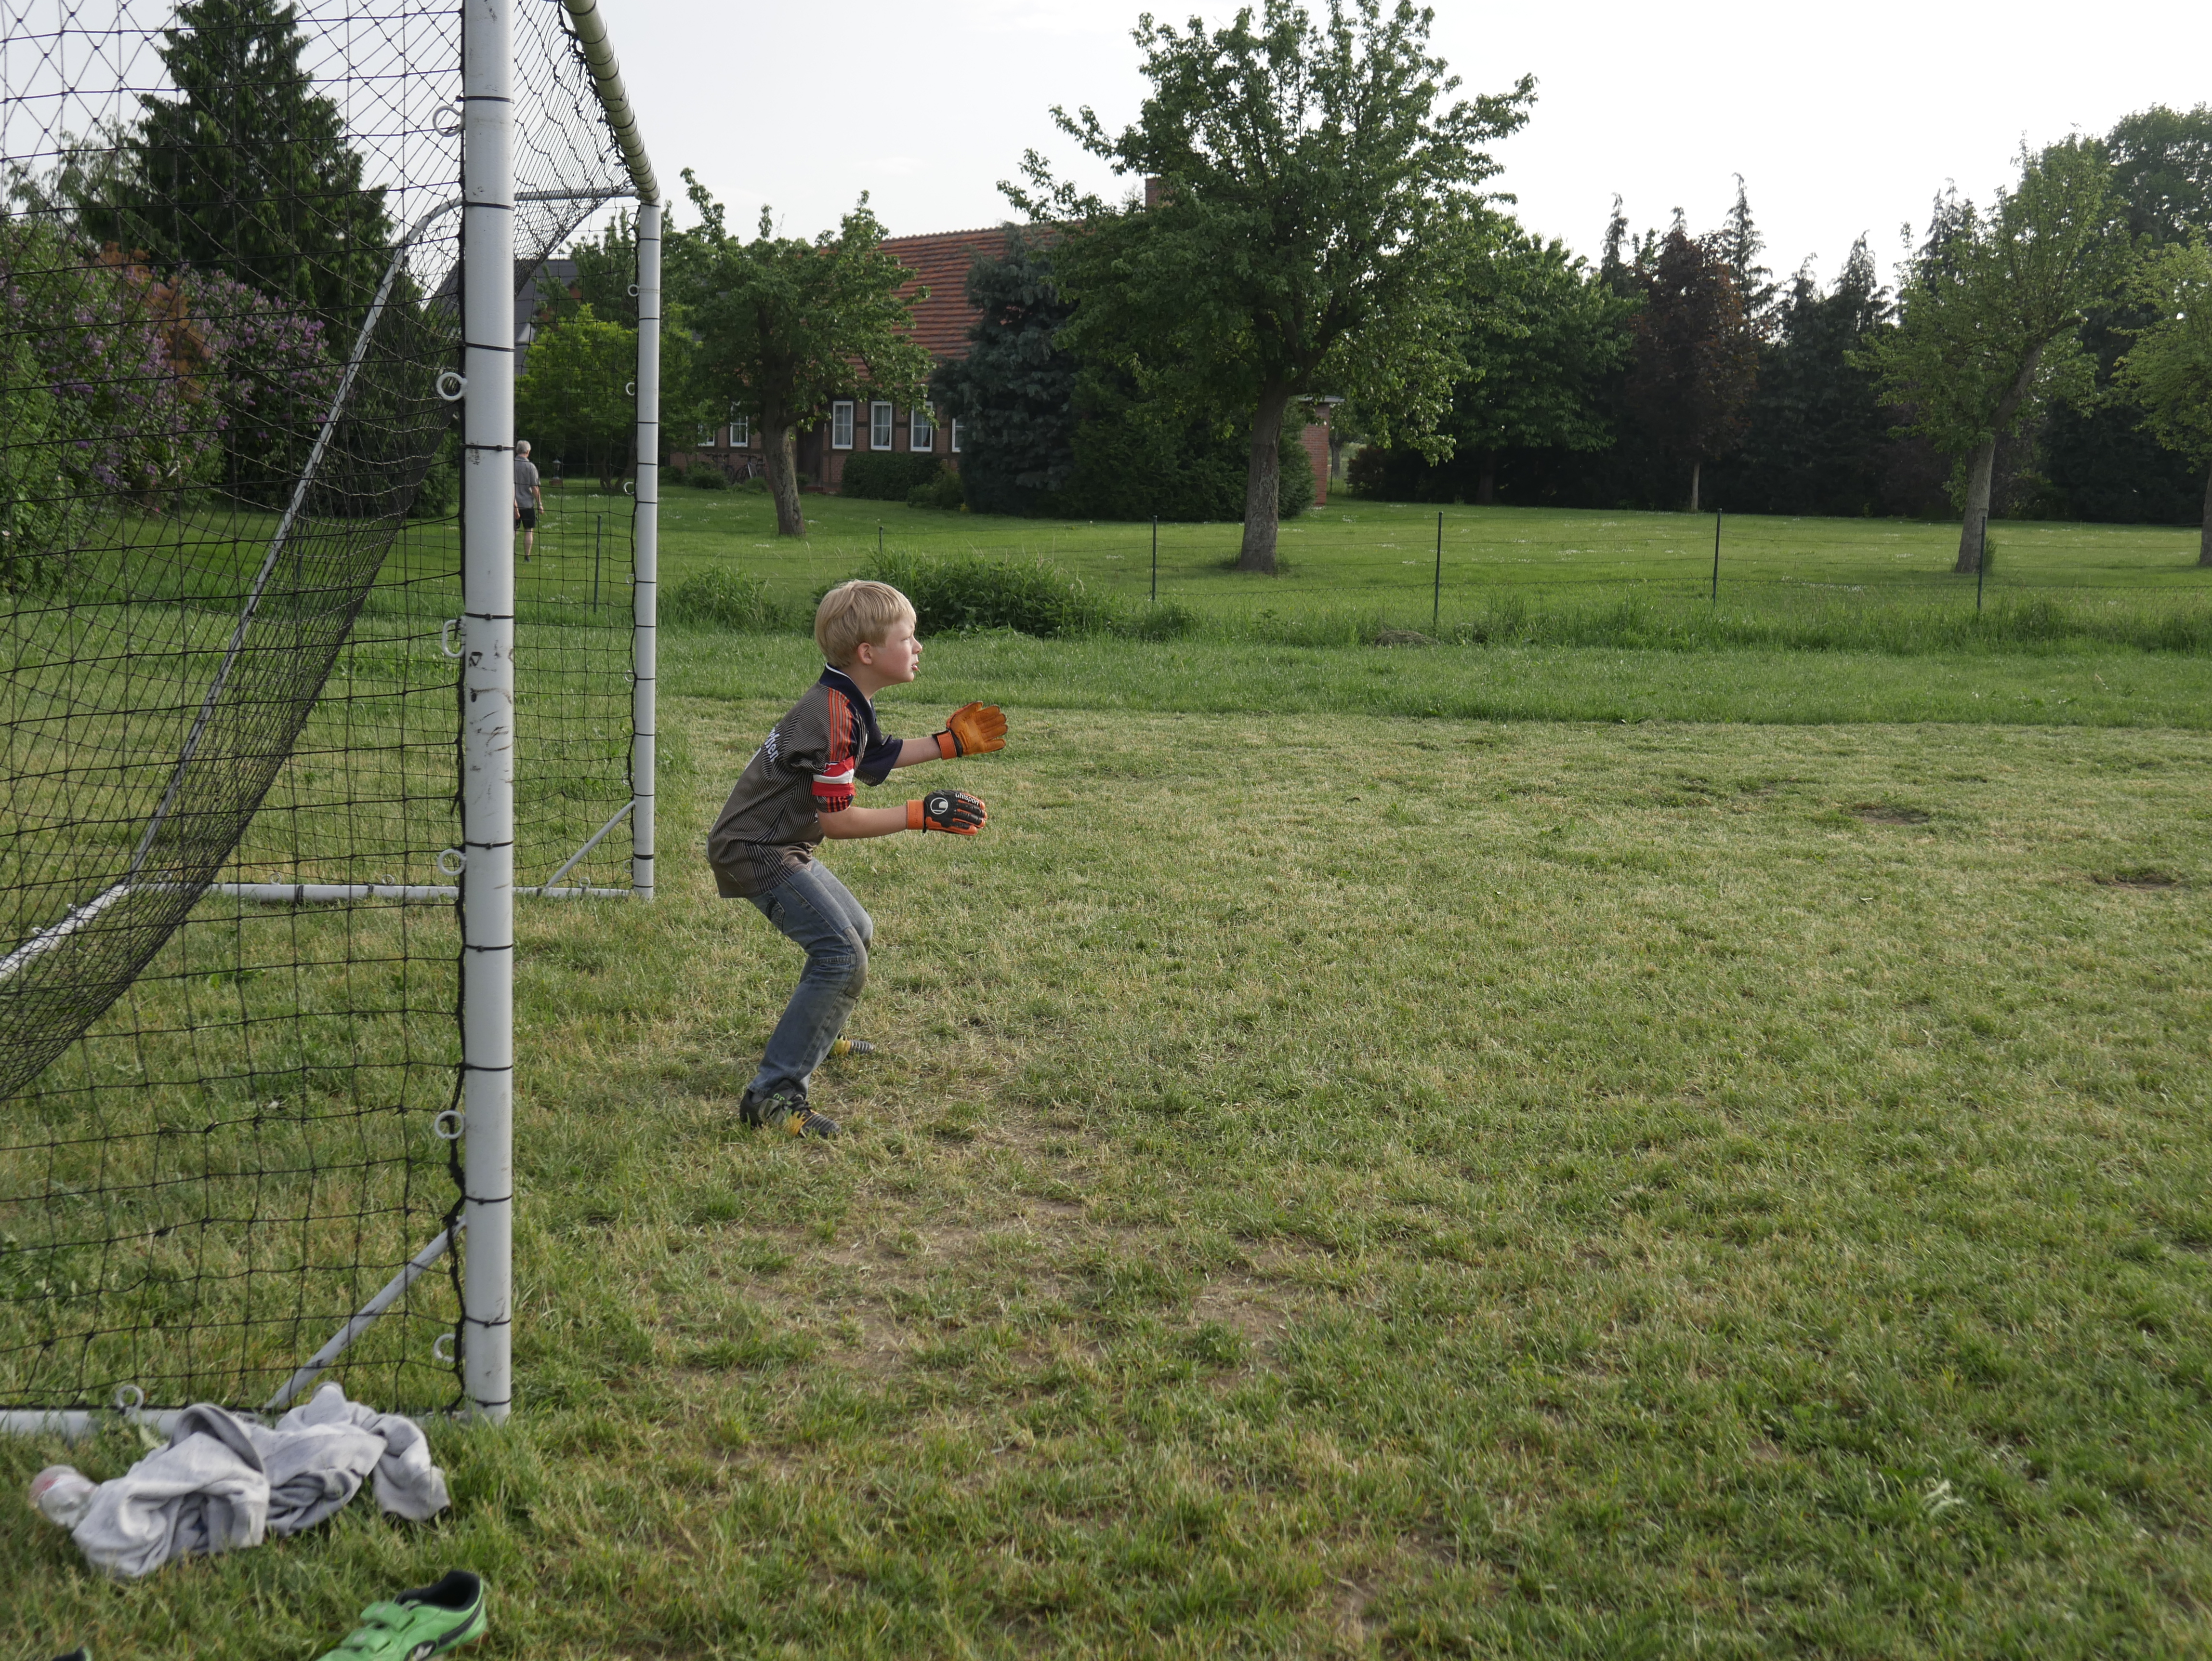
820,915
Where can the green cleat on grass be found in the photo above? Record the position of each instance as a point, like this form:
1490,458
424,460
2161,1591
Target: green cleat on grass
418,1624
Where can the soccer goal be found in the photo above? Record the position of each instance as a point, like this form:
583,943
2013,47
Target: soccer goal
287,728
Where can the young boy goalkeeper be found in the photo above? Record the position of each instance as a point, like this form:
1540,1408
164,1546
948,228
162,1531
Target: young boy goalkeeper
797,789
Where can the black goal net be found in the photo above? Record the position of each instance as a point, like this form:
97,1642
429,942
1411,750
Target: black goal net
230,572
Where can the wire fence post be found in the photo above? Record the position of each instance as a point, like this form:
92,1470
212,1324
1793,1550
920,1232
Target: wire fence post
1436,602
1717,556
487,878
1156,559
1981,560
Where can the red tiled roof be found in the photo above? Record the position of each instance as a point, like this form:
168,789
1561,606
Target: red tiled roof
940,263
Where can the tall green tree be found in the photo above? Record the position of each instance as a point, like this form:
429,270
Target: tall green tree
1315,206
574,400
1696,359
1816,427
2101,456
246,170
785,325
1990,320
606,276
1543,332
2168,371
1014,392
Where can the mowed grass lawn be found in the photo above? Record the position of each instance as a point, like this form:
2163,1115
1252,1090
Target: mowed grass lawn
1378,559
1338,1184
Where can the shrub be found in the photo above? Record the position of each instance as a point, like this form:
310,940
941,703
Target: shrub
886,476
963,592
707,476
675,472
757,484
945,490
719,598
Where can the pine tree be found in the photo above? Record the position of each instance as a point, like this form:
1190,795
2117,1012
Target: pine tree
1739,244
1696,359
248,171
1014,393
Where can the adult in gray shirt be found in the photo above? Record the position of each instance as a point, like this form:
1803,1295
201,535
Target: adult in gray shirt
529,500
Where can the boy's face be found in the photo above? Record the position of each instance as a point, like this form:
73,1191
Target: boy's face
896,660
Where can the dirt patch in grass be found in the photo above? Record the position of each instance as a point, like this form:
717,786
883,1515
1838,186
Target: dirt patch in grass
1883,813
2144,880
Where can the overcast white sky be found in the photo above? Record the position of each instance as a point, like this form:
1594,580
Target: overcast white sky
926,104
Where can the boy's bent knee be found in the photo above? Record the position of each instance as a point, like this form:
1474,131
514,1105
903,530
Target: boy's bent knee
856,976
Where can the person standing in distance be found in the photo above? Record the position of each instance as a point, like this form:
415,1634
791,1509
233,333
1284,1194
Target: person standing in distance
529,500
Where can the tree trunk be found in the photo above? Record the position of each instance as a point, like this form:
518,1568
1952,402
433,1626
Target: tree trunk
1697,476
1973,529
1263,483
1485,479
780,443
1974,526
2204,536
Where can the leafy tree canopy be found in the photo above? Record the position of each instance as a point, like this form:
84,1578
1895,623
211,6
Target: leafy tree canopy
785,325
2168,372
246,170
573,399
1543,332
2162,170
1992,311
1318,206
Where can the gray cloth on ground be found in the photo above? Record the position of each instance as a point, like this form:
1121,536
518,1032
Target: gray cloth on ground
222,1481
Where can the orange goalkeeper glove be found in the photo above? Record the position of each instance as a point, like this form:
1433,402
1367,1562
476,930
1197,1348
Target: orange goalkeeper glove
973,729
953,811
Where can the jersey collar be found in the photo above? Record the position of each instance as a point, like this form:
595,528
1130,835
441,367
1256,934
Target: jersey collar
838,681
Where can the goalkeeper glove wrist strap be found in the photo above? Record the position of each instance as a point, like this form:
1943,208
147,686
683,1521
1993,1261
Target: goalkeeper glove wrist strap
914,819
948,747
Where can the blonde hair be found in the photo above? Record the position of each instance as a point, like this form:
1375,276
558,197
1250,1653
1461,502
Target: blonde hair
855,611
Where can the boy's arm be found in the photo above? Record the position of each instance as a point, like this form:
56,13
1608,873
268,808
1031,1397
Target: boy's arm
974,729
953,810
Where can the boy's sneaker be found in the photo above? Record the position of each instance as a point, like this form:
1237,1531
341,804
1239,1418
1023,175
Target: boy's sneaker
416,1625
788,1114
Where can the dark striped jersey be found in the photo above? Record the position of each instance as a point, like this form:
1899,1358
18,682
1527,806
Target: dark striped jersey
806,767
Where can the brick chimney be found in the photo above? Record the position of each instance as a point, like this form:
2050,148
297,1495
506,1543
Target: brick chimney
1154,190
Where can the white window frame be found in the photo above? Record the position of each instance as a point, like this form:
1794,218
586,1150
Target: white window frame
706,438
921,429
741,431
841,424
879,425
955,436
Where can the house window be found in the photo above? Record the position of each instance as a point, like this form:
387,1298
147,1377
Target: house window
706,437
879,426
956,438
840,425
920,430
741,431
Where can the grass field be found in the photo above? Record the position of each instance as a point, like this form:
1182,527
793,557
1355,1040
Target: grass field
1513,575
1343,1179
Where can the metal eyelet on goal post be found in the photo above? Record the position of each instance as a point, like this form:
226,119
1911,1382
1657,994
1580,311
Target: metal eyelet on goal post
451,861
451,1118
446,1354
451,385
128,1399
446,638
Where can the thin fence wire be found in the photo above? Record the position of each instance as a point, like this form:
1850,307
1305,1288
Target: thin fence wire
224,616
